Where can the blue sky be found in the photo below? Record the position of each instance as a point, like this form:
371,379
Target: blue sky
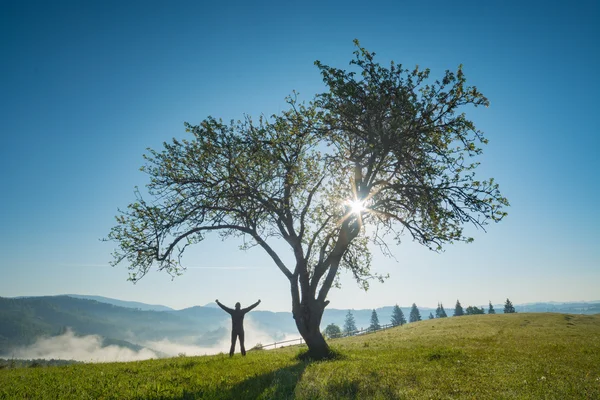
86,87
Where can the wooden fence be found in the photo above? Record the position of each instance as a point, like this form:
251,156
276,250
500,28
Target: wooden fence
300,341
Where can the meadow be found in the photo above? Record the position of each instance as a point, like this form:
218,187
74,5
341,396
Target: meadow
504,356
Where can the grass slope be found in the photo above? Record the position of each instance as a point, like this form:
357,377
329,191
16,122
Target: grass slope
508,356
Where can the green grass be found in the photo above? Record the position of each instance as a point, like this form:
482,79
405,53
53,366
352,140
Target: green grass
508,356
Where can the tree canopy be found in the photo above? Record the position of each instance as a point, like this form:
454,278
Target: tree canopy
383,147
473,310
332,331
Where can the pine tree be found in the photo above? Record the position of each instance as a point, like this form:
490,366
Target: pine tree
431,315
349,324
397,316
374,322
415,315
491,309
440,312
458,310
508,307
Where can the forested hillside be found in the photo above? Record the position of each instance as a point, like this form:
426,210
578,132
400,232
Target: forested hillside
23,320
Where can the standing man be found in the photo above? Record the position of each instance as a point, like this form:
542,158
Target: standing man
237,324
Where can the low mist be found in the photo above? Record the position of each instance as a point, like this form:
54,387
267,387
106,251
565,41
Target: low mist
90,348
68,346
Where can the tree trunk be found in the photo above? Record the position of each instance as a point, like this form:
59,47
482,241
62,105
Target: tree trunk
308,321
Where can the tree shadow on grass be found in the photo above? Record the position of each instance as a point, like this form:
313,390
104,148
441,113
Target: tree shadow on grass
276,384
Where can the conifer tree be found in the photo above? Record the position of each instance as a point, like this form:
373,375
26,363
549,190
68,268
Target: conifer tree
349,324
440,312
508,307
431,315
415,315
458,310
374,322
491,309
398,316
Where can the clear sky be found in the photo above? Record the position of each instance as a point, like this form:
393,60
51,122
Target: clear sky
87,86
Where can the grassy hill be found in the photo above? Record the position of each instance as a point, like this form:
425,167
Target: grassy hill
506,356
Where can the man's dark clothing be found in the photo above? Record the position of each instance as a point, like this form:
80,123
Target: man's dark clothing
237,325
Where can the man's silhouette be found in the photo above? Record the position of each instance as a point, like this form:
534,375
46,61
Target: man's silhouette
237,324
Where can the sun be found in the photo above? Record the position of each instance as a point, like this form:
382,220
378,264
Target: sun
356,206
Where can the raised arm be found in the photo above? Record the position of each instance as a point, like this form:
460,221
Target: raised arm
245,310
227,309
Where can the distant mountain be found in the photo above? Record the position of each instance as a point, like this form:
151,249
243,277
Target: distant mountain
568,308
23,320
123,303
564,303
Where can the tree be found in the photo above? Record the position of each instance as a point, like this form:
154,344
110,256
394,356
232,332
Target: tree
472,310
491,309
397,316
440,312
381,147
374,322
508,307
431,315
349,324
415,315
332,331
458,310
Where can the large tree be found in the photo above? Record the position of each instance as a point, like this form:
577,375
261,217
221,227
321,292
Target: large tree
381,148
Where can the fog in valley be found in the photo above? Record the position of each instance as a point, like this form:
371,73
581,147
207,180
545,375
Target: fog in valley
91,348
